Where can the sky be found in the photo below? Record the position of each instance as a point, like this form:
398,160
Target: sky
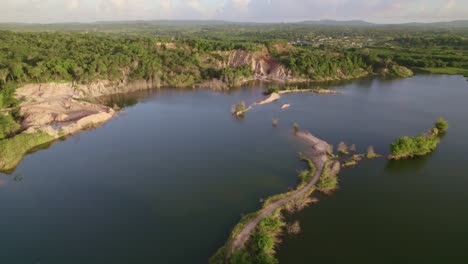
380,11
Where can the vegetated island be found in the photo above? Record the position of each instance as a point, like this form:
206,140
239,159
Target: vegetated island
408,147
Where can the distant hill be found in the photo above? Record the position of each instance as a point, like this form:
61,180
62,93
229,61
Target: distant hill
362,23
450,24
139,25
352,23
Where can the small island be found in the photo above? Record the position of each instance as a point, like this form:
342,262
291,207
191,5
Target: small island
408,147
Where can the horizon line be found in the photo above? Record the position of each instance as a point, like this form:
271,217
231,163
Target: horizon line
237,22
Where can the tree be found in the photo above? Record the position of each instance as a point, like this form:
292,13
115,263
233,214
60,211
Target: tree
35,72
3,75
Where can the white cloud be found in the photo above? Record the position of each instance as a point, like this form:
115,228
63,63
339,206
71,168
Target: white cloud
237,10
73,4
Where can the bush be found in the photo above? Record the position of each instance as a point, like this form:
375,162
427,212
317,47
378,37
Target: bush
442,125
296,127
271,90
371,153
240,108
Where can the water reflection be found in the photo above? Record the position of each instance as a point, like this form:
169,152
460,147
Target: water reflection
412,165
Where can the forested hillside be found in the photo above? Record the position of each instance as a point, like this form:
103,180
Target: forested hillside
181,55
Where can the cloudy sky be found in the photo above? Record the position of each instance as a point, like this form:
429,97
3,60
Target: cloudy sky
386,11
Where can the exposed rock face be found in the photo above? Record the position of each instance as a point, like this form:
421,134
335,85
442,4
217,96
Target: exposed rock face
262,65
55,108
241,58
31,92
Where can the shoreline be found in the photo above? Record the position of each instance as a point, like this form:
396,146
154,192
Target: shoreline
275,96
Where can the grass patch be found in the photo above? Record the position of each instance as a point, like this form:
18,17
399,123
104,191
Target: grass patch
446,70
12,150
327,182
8,125
350,163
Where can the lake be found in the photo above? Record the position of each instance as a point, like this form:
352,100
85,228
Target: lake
166,180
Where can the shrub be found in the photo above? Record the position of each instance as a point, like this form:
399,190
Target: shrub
296,127
371,153
271,90
413,146
240,108
442,125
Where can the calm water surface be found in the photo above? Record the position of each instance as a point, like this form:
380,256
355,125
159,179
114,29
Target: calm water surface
166,181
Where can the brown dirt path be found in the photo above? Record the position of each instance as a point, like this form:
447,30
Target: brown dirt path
319,158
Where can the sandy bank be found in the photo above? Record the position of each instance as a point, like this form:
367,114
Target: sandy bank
59,110
277,96
317,91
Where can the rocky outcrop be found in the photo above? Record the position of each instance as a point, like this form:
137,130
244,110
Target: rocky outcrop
262,64
242,58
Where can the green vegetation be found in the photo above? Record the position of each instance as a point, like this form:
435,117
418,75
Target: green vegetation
446,70
327,182
8,125
220,256
271,90
350,163
240,109
408,147
260,248
13,150
371,153
181,54
296,127
442,125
